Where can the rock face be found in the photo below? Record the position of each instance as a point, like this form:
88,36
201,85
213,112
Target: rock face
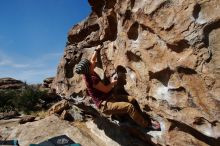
10,83
166,53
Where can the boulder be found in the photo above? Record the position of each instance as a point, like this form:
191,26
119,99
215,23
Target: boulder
10,83
27,118
58,107
47,82
36,132
86,134
166,53
73,114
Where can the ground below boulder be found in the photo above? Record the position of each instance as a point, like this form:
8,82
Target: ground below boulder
96,132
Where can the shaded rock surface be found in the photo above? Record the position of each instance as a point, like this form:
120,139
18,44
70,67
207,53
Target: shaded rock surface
166,53
27,118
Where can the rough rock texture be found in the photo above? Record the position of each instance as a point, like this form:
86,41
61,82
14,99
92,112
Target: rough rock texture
95,130
27,118
58,107
6,126
8,115
87,133
51,126
10,83
47,82
166,53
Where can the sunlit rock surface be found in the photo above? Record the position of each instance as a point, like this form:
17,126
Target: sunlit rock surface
167,55
96,132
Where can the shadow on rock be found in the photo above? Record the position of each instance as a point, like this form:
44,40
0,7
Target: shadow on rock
185,128
125,135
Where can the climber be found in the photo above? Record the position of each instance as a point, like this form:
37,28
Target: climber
103,98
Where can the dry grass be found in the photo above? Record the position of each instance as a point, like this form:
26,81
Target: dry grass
41,114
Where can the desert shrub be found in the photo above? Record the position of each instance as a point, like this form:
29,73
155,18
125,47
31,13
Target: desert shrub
6,98
28,99
24,99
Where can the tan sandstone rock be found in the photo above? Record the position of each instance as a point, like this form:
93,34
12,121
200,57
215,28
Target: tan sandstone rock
58,107
169,50
10,83
36,132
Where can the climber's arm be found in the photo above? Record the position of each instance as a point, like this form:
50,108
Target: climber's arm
94,55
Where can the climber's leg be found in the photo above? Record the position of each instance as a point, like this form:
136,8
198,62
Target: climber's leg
112,107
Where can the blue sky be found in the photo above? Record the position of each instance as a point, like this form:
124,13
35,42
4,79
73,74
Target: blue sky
33,34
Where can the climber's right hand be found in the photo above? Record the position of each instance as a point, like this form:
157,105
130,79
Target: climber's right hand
114,81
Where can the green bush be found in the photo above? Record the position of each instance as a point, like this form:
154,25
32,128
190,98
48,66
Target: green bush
6,98
24,99
28,99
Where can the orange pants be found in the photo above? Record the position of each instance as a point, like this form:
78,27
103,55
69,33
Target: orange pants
124,105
